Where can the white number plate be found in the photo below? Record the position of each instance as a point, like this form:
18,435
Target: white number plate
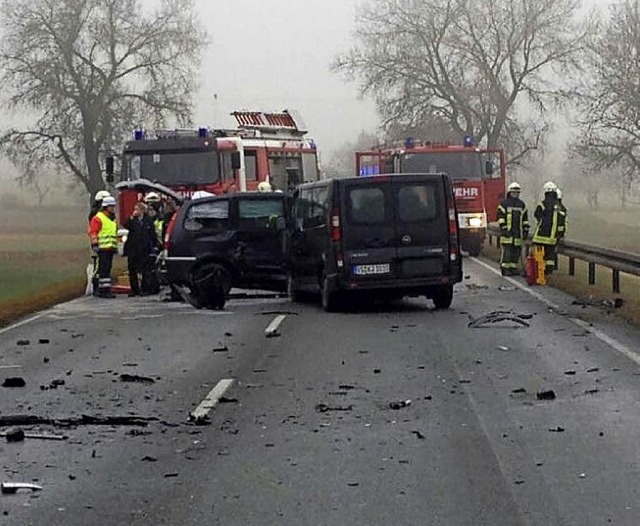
367,270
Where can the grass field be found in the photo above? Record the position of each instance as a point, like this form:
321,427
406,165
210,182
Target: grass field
43,259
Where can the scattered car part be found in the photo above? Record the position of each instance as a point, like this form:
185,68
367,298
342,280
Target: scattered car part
13,487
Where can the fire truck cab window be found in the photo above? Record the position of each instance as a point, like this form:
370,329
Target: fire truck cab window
173,168
226,170
251,165
212,215
367,205
309,167
457,165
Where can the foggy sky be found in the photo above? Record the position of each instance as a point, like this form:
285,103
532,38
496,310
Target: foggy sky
275,54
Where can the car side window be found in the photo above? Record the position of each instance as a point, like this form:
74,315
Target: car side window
260,213
367,205
212,215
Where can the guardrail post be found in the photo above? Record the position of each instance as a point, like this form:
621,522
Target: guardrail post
572,266
615,281
592,273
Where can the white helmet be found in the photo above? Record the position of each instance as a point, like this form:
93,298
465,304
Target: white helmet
549,186
152,197
200,194
514,187
108,201
101,195
264,186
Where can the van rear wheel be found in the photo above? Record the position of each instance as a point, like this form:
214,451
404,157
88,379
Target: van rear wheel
330,299
443,297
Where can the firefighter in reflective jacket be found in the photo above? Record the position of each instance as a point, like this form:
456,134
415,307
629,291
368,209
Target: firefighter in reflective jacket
103,232
513,219
552,220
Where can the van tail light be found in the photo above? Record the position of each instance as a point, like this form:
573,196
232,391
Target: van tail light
336,231
167,236
454,247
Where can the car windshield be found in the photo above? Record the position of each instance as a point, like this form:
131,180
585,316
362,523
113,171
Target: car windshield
188,168
458,165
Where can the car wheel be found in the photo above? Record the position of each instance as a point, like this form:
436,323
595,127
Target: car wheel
294,295
211,283
443,297
330,300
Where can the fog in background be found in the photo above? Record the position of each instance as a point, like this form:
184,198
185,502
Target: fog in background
274,55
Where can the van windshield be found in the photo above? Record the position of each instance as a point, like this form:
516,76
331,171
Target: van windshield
458,165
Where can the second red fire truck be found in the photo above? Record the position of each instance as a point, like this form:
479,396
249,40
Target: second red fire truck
478,176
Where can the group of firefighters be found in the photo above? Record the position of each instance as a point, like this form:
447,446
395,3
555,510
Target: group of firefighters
146,228
513,219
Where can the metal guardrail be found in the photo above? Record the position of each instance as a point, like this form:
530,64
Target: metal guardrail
616,260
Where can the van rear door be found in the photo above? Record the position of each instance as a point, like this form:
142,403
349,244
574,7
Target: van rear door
368,228
421,226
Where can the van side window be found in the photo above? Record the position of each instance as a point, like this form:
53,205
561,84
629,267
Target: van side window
213,215
317,214
417,203
367,205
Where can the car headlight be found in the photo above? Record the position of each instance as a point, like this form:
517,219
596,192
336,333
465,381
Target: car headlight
475,222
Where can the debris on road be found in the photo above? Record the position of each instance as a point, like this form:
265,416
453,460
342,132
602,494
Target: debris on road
148,458
324,408
377,371
474,286
519,390
22,343
56,383
353,484
14,435
45,360
503,348
14,382
12,487
134,378
493,318
546,395
84,420
506,288
225,400
418,434
171,475
220,349
399,404
556,430
591,301
44,341
592,391
593,370
570,373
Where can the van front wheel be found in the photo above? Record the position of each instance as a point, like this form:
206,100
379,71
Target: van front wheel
330,299
443,297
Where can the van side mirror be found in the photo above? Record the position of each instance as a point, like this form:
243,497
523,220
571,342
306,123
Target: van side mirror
489,168
236,163
108,167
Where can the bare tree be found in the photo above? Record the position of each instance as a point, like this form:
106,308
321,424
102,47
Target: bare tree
468,62
611,102
91,70
343,161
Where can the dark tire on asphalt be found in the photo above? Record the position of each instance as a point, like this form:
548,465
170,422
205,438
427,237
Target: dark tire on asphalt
443,297
330,300
295,296
211,284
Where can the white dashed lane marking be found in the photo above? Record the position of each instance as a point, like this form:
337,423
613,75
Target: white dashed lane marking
211,400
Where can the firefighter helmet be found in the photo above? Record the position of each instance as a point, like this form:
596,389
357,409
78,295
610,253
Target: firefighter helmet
152,197
108,201
101,195
514,187
549,186
264,186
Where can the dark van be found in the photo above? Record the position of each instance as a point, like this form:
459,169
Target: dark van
387,235
232,240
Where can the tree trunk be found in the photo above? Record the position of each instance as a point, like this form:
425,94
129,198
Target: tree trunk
94,182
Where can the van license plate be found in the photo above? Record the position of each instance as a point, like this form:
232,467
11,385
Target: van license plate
368,270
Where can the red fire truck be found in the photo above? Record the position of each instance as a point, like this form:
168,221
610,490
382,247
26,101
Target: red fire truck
479,184
264,147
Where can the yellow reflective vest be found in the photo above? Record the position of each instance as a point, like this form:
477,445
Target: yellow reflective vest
108,235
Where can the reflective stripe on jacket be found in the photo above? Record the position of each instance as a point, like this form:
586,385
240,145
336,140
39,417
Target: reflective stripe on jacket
513,219
108,235
551,216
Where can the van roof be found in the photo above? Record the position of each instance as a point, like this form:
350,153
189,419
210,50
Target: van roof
372,178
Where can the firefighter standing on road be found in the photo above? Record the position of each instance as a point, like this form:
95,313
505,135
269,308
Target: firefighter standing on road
514,229
103,232
551,216
92,272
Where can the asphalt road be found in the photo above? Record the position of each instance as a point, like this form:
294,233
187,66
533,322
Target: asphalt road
306,433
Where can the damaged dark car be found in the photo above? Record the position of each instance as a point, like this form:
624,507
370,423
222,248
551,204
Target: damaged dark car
230,241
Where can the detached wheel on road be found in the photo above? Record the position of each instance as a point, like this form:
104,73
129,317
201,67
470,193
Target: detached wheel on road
443,297
330,299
